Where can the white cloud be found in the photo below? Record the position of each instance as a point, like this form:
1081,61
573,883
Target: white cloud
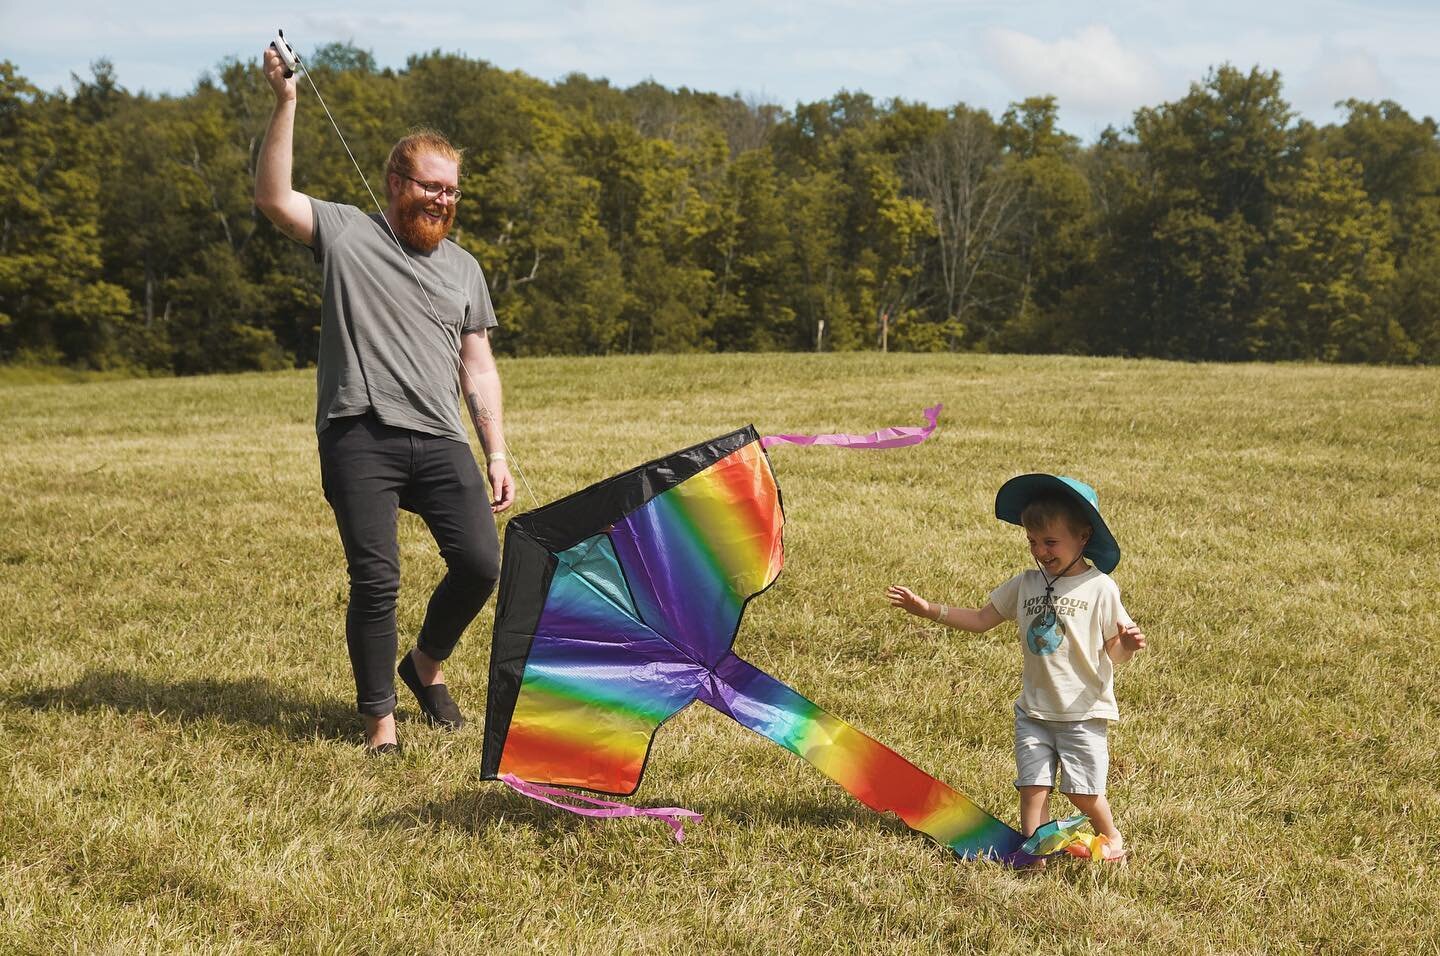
1090,71
342,26
874,60
1340,74
1243,50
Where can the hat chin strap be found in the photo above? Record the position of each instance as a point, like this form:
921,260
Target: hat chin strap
1050,582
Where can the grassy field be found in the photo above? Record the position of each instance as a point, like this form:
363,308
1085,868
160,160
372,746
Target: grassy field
181,770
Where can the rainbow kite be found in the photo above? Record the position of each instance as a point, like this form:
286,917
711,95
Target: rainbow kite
618,607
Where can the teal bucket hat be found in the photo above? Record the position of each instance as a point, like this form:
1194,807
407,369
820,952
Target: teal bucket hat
1015,494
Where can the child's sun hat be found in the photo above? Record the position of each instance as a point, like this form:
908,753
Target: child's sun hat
1015,494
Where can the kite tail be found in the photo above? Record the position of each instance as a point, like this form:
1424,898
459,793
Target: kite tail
895,437
597,807
871,772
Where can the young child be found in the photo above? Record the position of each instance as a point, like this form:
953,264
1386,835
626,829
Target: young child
1073,631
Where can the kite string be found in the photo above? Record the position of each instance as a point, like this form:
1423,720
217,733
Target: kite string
434,314
598,807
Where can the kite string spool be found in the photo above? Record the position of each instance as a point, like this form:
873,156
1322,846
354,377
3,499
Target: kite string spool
292,64
287,54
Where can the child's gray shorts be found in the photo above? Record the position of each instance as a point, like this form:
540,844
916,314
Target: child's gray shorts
1078,748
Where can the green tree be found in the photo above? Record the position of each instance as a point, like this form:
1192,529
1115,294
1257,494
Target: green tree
54,302
648,218
1186,242
749,254
959,173
1327,285
1050,250
1400,159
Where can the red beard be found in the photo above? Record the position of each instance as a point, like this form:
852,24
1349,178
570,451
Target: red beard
419,231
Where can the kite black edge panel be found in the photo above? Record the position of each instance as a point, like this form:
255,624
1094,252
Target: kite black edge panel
563,524
518,606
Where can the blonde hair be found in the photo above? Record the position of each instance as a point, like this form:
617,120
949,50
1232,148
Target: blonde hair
1042,511
420,140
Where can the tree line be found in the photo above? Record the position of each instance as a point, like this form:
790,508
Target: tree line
1220,226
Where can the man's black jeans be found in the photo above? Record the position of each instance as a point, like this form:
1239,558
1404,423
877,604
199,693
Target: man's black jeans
369,471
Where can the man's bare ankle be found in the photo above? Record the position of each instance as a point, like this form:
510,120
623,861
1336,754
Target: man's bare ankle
428,669
379,730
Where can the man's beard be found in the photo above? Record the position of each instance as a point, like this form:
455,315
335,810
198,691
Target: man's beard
419,231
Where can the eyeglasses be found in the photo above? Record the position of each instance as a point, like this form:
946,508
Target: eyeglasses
435,190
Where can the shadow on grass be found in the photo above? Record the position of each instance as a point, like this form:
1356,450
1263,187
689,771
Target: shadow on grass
477,810
791,808
474,811
250,701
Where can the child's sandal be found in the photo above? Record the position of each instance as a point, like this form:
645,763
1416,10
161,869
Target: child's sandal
1096,848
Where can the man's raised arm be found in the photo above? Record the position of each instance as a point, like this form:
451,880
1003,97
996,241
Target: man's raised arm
289,210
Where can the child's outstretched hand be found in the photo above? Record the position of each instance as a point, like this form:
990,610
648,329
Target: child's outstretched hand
1127,641
907,600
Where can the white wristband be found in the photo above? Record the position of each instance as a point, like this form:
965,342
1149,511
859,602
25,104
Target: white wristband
495,456
940,615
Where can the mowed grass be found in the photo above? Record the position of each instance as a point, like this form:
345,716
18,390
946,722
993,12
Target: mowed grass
180,764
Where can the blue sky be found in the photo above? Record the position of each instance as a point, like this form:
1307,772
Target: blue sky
1102,60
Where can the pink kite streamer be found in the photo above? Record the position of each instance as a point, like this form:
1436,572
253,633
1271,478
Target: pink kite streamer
598,807
895,437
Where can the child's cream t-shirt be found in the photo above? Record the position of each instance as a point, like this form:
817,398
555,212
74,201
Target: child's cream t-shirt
1068,675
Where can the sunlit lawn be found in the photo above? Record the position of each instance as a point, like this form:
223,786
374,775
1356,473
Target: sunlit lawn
180,765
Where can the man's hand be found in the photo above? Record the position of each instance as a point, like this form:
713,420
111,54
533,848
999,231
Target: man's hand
907,600
502,484
275,73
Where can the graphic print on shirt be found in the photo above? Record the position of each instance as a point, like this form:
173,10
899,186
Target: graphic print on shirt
1045,634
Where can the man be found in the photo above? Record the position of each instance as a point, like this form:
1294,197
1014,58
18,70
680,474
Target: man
397,329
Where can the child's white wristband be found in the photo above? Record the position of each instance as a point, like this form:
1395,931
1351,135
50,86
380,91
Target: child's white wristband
940,615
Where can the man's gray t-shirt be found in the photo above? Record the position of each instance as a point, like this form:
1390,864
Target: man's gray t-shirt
381,349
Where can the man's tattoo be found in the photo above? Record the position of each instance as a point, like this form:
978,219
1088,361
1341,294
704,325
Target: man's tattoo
478,411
